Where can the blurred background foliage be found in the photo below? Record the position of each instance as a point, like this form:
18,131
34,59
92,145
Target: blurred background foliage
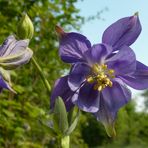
21,114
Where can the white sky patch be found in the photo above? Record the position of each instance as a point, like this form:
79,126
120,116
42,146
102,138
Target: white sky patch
136,95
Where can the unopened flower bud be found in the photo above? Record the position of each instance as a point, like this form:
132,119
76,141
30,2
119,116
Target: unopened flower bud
25,29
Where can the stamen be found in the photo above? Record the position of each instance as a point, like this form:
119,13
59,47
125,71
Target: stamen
90,79
102,76
96,68
100,88
111,71
110,84
104,67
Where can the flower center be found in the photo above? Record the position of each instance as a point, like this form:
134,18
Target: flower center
101,76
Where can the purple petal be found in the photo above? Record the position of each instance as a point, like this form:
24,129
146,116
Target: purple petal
123,62
106,117
87,99
12,46
123,32
104,114
6,44
139,79
111,100
78,75
73,46
98,53
116,96
11,62
4,84
62,89
16,47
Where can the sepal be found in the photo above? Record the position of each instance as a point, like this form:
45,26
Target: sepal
110,130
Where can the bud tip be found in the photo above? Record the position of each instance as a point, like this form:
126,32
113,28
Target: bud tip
136,13
59,30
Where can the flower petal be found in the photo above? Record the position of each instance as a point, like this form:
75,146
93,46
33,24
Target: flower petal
123,62
6,44
62,89
13,61
78,75
123,32
98,53
139,79
106,117
11,46
87,99
116,96
73,46
4,84
110,102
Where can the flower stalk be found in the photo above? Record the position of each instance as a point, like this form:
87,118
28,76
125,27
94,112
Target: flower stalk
45,81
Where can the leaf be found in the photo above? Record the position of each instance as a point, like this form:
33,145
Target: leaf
48,124
8,113
73,125
60,116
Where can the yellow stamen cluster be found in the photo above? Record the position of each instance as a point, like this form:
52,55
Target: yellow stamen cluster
101,76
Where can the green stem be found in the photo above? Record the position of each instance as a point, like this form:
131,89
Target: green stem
47,85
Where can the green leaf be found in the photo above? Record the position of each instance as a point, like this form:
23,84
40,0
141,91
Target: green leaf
48,124
74,124
60,116
8,113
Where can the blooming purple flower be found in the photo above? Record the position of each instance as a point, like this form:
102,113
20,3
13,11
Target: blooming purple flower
13,54
99,74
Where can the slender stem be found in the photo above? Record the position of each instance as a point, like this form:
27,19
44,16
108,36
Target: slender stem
47,85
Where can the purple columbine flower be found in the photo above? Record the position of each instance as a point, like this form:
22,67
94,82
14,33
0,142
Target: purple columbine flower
13,54
99,74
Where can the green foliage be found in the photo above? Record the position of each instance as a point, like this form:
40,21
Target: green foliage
20,120
131,128
22,115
